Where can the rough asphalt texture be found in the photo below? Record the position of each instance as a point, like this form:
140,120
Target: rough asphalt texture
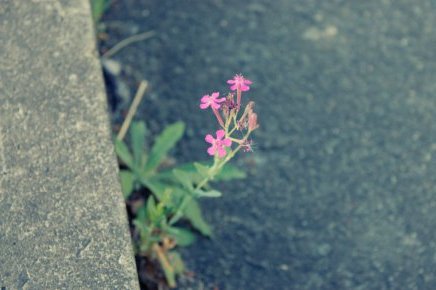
342,186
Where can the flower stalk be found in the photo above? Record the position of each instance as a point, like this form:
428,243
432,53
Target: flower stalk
220,147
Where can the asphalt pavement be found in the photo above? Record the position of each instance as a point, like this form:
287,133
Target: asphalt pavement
341,192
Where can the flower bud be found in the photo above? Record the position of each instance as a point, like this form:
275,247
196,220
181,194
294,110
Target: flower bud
242,124
247,146
252,121
228,105
249,107
226,111
231,98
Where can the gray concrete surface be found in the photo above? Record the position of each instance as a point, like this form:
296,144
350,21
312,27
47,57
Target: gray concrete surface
63,223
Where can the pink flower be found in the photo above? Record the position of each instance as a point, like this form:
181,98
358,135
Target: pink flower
218,144
212,101
239,83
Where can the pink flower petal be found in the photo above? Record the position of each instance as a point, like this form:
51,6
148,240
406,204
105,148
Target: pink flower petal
205,99
227,142
221,152
215,95
204,106
215,105
244,88
211,150
220,134
220,100
239,83
209,139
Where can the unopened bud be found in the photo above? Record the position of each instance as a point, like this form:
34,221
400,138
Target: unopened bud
247,112
242,124
247,146
252,122
231,98
249,107
228,105
225,110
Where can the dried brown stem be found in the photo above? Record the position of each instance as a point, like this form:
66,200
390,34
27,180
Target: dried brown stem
132,110
129,40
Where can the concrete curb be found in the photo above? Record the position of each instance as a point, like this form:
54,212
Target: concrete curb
63,222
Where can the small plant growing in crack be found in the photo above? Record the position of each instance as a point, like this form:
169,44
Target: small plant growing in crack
169,195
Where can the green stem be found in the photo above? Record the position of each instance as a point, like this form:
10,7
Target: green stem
231,131
235,123
179,213
187,197
216,167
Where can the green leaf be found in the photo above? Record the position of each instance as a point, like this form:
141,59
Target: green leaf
229,172
137,137
169,177
183,237
140,227
177,262
164,142
208,193
156,187
144,160
98,7
151,209
123,153
184,178
193,214
141,215
187,167
202,169
127,179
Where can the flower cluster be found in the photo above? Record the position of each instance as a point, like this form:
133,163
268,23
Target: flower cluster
232,120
